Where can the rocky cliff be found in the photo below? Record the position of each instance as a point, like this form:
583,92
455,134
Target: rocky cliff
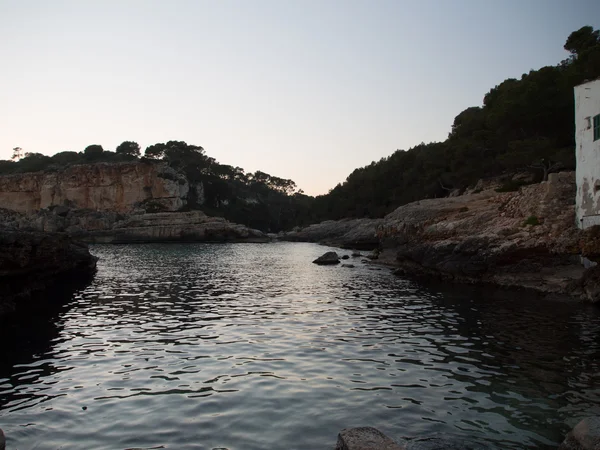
526,238
517,239
31,262
119,187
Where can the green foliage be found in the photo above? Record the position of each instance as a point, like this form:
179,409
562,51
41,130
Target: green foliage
524,125
129,148
532,221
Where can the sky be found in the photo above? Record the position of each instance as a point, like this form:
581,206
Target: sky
301,89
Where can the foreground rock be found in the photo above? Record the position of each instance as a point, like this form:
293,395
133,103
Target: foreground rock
585,436
365,438
347,233
31,262
327,259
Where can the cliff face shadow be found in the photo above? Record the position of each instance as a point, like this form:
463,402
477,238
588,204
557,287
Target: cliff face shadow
27,333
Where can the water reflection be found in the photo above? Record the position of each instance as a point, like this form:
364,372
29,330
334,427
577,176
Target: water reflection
252,347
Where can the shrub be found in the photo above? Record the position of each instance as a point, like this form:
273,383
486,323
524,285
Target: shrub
531,220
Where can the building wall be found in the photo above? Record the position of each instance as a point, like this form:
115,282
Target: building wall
587,105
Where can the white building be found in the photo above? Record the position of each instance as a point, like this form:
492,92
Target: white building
587,148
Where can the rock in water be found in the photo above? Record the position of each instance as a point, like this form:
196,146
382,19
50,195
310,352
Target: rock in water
327,258
2,441
365,438
349,266
585,435
345,257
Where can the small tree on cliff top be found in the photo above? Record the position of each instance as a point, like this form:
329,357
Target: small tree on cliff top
129,148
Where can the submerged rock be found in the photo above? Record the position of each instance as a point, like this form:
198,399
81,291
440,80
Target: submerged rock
584,436
442,443
327,258
345,257
349,266
365,438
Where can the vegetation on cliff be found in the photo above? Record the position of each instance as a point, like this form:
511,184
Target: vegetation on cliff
258,200
524,124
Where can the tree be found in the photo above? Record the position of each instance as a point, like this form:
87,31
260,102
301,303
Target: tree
129,148
17,153
156,151
582,40
93,153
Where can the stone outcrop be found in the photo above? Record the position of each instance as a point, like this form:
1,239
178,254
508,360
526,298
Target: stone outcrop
194,226
584,436
118,187
327,258
365,438
518,239
32,262
523,239
112,227
347,233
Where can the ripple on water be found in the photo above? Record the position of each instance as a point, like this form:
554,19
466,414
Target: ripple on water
252,347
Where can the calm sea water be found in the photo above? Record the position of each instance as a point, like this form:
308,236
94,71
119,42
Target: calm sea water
250,346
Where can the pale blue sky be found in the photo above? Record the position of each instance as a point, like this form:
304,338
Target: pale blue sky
305,89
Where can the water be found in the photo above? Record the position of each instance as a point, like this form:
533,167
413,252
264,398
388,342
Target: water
250,346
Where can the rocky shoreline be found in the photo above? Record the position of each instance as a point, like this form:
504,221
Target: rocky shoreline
522,239
33,262
107,227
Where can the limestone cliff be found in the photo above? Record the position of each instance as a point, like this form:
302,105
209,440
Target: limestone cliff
119,187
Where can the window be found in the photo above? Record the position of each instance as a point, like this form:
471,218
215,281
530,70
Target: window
596,127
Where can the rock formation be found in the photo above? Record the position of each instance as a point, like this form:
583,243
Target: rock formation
365,438
111,227
118,187
32,262
584,436
518,239
327,258
347,233
113,202
525,239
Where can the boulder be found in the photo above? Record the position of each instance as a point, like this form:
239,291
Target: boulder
365,438
327,258
345,257
349,266
2,440
585,436
356,254
374,254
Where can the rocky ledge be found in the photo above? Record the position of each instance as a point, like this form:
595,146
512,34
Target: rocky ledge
347,233
31,262
111,227
523,239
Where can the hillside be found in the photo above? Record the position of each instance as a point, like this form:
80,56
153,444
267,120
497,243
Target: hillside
524,124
